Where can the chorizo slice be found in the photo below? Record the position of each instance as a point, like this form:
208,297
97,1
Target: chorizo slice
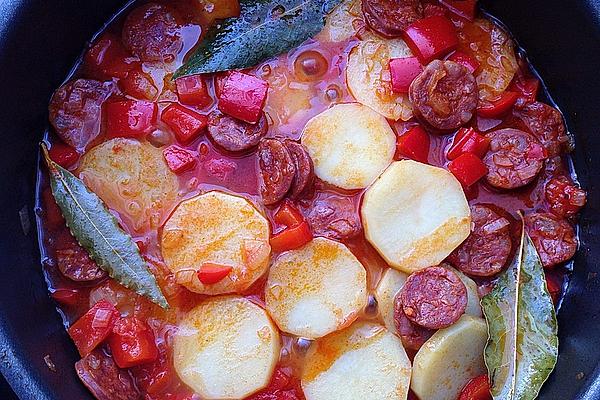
233,134
412,335
152,33
434,297
276,170
488,248
104,379
305,170
334,217
515,158
554,238
391,17
547,125
76,109
444,95
75,263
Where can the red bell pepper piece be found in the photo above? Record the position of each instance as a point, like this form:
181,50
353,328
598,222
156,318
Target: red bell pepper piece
130,118
554,285
178,159
192,90
67,297
431,38
185,123
243,96
52,212
210,273
288,215
291,237
499,107
156,377
465,60
63,154
476,389
108,58
527,88
467,140
463,8
94,327
139,85
403,72
468,169
414,144
132,343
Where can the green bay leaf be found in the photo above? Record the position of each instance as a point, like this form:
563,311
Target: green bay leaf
97,230
265,29
523,344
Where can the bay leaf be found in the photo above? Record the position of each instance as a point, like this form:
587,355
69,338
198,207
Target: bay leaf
97,230
265,29
522,348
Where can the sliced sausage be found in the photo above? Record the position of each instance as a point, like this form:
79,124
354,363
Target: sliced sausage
104,379
75,263
434,297
554,238
391,17
547,125
444,95
487,250
514,159
233,134
152,33
305,170
76,110
412,335
276,170
564,198
334,217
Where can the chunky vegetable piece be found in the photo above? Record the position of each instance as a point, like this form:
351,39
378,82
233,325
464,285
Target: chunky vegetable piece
192,90
130,118
179,159
185,123
431,38
477,389
388,287
93,327
414,144
243,97
404,71
132,342
468,169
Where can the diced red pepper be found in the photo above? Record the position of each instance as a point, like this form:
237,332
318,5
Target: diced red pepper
527,88
476,389
210,273
63,154
243,96
68,297
94,327
185,123
467,140
554,285
178,159
156,377
139,85
463,8
288,215
132,343
465,60
192,91
130,118
499,107
52,212
403,72
468,169
291,238
108,58
414,144
431,38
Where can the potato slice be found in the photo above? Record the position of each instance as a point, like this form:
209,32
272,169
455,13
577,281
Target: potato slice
317,289
219,228
415,215
389,285
133,179
350,145
226,348
368,76
449,359
364,361
342,23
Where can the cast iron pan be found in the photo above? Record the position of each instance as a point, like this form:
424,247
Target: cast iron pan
39,39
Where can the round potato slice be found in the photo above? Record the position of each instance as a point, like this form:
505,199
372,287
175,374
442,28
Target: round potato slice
317,289
369,80
342,22
364,361
449,359
350,145
226,348
216,228
388,287
415,215
132,178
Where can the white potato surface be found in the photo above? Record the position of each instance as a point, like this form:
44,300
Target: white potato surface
132,178
342,23
350,145
449,359
362,362
219,228
226,348
316,290
415,215
389,285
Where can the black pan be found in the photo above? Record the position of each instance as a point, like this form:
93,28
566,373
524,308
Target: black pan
39,39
